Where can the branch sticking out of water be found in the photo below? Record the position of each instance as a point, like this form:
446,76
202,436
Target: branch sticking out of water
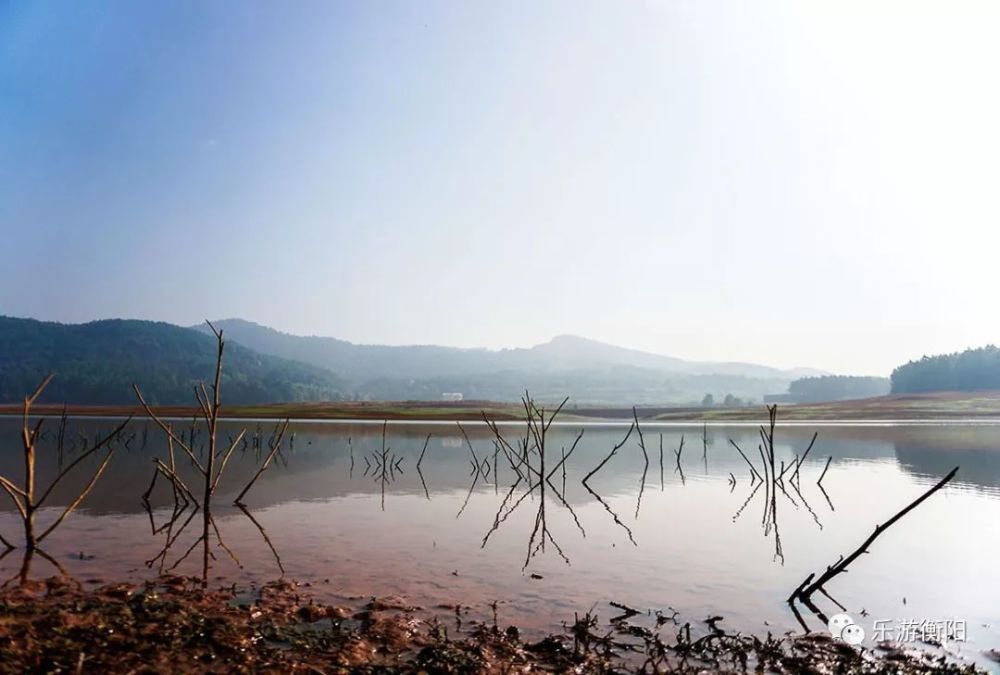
823,475
805,590
610,455
275,444
24,497
753,470
642,440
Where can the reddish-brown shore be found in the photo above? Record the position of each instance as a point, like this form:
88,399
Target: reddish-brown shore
982,405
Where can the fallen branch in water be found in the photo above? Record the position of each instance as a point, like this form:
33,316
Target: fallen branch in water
805,590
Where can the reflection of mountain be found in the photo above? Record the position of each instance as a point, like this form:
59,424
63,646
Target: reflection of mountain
318,467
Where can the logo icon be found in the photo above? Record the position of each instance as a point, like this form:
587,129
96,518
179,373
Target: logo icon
842,626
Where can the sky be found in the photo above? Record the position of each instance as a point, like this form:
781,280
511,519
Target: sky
796,184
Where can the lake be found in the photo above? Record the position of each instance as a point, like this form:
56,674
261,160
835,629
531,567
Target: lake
692,540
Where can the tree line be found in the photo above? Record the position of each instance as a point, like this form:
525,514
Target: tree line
970,370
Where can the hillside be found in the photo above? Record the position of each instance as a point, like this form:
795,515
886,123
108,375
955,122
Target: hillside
97,362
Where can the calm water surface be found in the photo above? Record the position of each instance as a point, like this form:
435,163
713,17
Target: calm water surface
693,542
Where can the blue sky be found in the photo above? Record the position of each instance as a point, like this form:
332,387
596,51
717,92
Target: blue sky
788,183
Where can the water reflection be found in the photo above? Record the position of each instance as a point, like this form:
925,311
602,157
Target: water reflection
333,505
324,450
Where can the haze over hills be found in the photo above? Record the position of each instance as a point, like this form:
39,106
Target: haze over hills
97,362
586,370
563,352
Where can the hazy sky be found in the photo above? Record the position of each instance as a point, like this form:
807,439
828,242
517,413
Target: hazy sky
797,183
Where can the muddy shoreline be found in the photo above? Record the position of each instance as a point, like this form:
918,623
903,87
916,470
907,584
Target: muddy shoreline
173,625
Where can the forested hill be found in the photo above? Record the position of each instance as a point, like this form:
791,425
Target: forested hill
97,362
971,370
837,388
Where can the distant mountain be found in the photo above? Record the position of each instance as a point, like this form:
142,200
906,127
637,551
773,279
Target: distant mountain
562,353
586,370
97,362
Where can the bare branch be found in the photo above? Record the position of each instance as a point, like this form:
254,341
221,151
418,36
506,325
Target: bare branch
806,589
30,400
166,428
263,467
10,488
225,459
176,480
562,462
94,448
610,455
80,497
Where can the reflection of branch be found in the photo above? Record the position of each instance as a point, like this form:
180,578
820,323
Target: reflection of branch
501,516
222,544
263,533
537,427
795,486
423,483
197,541
743,508
172,537
25,571
541,529
613,514
642,487
475,479
830,503
562,500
